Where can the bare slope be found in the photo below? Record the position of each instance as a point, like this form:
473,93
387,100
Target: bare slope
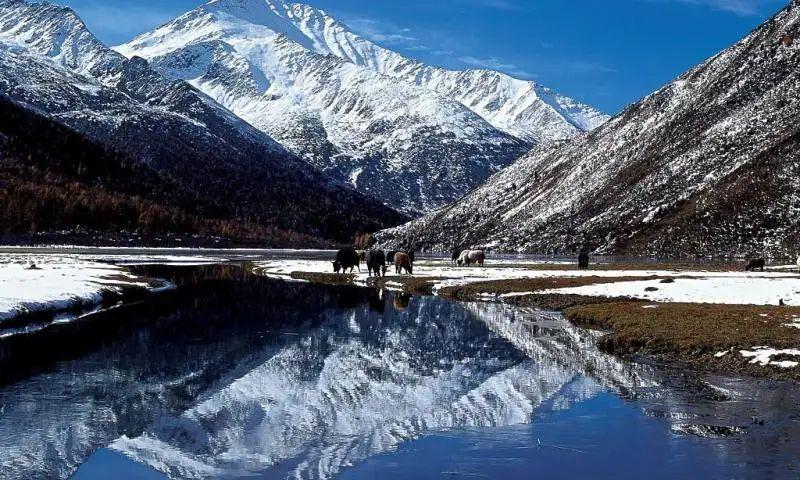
708,165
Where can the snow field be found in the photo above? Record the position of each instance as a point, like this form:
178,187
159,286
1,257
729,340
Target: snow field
59,282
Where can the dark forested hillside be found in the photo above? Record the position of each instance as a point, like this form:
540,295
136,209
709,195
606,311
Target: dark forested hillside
172,146
53,180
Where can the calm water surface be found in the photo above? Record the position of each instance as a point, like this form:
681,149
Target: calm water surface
233,376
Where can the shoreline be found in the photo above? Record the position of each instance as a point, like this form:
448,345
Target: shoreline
728,339
724,338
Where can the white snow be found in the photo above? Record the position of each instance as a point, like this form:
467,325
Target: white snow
730,289
58,283
763,356
690,286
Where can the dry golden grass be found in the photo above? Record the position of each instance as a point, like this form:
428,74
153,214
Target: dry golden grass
522,285
560,302
693,333
412,285
326,278
689,327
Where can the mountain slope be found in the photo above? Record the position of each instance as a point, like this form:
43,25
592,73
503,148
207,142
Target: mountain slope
413,148
708,165
520,108
69,188
50,63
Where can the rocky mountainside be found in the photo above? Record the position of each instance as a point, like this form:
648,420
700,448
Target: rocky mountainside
50,63
520,108
416,145
708,165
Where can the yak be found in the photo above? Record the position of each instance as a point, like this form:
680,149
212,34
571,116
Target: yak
376,262
403,261
346,258
756,264
469,257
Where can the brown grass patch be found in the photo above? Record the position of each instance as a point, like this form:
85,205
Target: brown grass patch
326,278
693,333
560,302
411,285
522,285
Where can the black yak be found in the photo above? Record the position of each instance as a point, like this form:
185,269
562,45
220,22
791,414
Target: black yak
376,262
757,264
346,258
583,261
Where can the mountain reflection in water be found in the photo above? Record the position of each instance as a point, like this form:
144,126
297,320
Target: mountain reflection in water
234,375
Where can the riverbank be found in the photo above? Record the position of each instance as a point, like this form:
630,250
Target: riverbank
714,318
38,290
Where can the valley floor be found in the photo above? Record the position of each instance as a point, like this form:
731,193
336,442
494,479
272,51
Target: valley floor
710,316
713,317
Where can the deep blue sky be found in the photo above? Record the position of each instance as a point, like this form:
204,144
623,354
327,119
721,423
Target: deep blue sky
608,53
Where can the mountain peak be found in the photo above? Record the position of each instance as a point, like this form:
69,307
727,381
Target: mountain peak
56,32
521,108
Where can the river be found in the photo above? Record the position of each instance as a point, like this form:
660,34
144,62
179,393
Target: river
237,376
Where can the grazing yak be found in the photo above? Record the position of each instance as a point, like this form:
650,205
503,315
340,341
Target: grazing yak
456,254
376,262
583,261
757,264
392,253
403,261
346,258
470,257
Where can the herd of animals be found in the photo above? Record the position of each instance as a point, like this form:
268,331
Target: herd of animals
378,261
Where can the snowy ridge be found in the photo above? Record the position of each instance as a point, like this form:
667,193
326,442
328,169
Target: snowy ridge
520,108
58,34
52,64
411,147
705,166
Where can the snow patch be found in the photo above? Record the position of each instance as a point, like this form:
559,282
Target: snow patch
763,356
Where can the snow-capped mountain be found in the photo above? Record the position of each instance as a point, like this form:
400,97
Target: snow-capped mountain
520,108
417,145
51,63
708,165
58,34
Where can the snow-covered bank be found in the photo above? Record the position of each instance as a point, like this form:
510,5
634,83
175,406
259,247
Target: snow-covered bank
756,288
728,290
58,283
